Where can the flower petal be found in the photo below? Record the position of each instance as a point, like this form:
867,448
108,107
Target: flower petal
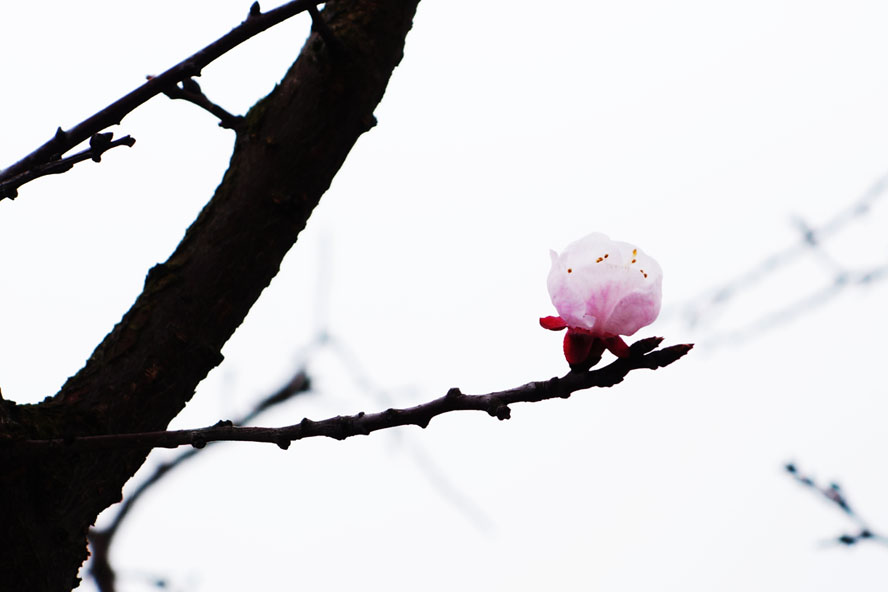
605,287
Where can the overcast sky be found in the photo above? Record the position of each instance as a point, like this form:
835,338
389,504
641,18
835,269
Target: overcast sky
711,134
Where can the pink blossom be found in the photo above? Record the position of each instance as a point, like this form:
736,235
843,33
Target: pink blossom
601,289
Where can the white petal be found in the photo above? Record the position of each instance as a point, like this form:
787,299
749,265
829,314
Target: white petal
610,287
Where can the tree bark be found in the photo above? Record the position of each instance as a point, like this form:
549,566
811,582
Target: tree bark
147,368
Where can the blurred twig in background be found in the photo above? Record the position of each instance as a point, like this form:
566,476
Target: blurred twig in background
812,242
100,568
100,540
423,460
834,494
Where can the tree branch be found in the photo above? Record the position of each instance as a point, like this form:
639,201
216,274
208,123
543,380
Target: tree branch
100,540
496,404
98,145
290,147
190,91
14,176
833,493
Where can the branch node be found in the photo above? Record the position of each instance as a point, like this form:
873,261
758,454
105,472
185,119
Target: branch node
358,426
283,443
190,68
198,441
369,122
254,10
191,85
320,25
553,385
496,408
99,143
344,427
59,138
189,90
453,394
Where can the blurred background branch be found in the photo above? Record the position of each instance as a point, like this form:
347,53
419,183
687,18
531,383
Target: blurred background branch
834,494
814,243
100,568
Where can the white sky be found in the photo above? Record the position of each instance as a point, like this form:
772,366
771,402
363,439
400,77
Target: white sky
700,130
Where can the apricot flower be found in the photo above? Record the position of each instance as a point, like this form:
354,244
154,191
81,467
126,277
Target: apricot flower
601,289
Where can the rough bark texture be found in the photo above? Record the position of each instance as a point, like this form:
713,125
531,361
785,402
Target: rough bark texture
146,369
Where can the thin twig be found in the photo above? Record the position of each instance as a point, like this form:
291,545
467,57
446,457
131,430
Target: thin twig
63,141
100,540
98,145
700,309
813,300
834,494
643,354
190,91
324,30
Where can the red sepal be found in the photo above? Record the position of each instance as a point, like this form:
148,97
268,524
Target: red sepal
617,346
553,323
582,350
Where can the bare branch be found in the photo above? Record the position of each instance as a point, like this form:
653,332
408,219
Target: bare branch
642,355
834,494
702,308
323,29
813,300
146,369
11,178
100,540
98,145
190,91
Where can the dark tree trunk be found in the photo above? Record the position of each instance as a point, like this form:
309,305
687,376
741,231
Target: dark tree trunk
145,371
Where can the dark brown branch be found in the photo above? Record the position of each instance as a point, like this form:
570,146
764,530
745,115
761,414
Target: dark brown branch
323,29
496,404
98,145
146,369
256,22
190,91
100,567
